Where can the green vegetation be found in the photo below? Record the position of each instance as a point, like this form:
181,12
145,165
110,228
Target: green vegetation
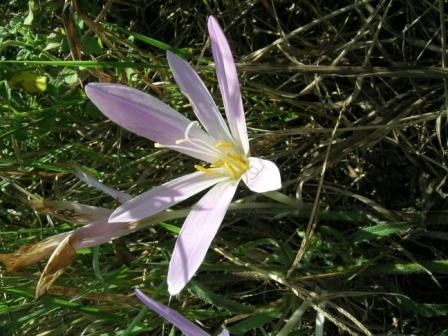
349,98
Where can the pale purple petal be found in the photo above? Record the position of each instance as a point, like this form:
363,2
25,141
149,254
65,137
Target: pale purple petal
183,324
228,83
225,332
203,105
197,233
147,116
100,232
262,176
91,180
163,197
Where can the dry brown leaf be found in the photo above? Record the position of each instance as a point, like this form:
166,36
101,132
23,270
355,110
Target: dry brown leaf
62,256
72,212
29,254
70,31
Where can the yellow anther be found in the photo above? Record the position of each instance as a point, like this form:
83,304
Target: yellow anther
231,163
231,170
217,164
204,170
224,145
239,161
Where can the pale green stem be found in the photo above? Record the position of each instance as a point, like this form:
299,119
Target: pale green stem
281,198
295,319
320,318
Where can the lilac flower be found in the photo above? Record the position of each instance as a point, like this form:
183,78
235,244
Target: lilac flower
184,325
224,149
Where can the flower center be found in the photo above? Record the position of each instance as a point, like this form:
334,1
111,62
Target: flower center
230,163
229,160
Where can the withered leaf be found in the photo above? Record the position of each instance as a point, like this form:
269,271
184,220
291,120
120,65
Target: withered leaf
62,256
72,212
29,254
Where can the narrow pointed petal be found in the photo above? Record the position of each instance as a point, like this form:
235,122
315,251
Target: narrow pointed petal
146,116
197,233
203,105
100,232
92,181
163,197
228,83
183,324
262,176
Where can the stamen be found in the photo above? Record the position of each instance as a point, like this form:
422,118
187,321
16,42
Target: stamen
231,170
196,142
187,133
217,164
235,164
189,127
239,160
224,145
204,170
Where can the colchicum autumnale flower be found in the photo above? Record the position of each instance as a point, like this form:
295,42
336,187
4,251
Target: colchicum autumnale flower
187,327
224,149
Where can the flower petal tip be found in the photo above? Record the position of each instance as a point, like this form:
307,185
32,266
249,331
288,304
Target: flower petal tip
92,88
262,176
175,284
120,216
212,22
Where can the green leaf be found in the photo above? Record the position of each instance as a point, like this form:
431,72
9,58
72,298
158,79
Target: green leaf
436,266
155,43
92,46
172,228
25,54
30,17
424,309
69,76
22,55
133,325
5,91
96,267
442,333
60,302
245,248
18,130
380,230
52,45
257,320
218,300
